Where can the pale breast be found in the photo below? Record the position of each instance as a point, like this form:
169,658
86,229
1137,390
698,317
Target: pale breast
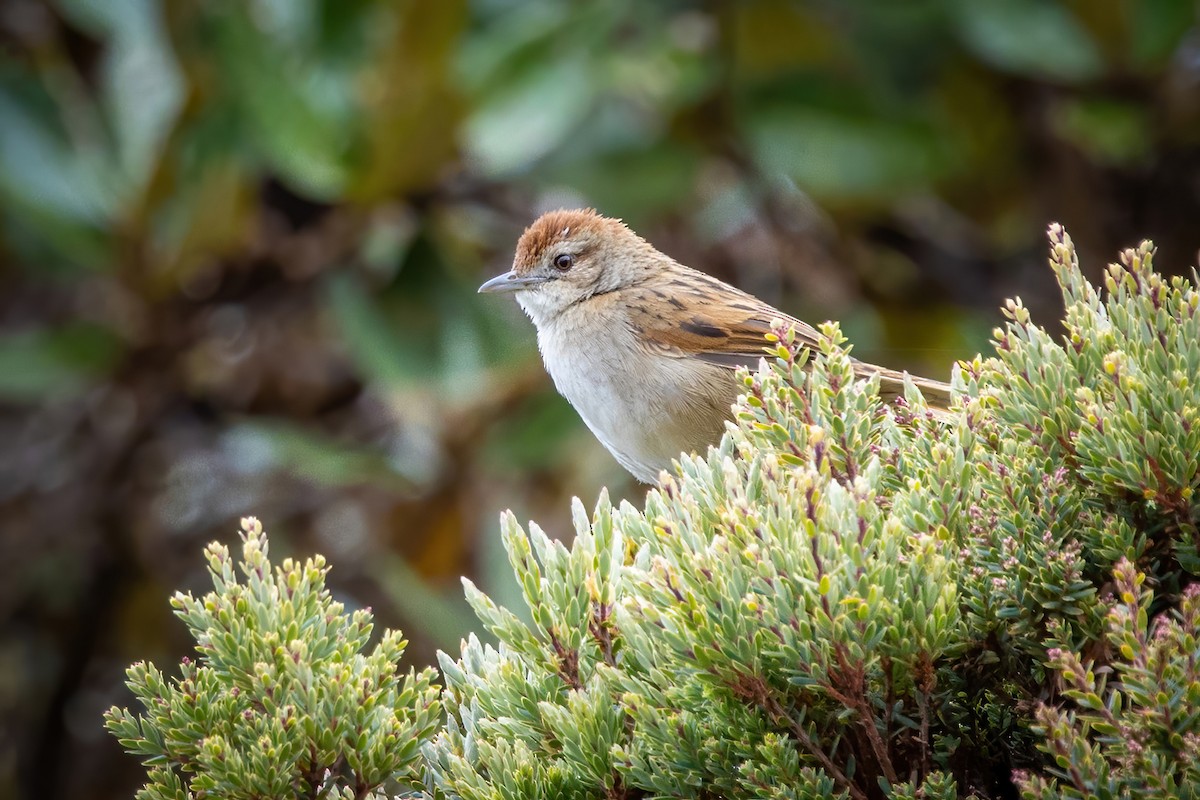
646,407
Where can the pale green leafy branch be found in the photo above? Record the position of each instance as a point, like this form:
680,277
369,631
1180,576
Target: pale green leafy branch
842,600
284,700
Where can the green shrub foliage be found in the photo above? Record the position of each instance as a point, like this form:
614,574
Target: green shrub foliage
283,701
843,600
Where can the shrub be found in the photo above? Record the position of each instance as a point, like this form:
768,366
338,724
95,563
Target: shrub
857,601
283,702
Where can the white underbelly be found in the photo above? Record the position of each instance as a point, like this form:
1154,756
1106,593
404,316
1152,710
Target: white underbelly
646,409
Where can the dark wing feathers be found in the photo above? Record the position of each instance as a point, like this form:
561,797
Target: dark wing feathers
716,323
709,320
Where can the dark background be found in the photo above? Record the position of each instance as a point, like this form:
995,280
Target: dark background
240,241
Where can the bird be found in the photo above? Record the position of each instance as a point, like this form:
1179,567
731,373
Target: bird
644,348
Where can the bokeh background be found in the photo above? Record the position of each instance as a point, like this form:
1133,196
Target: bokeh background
240,241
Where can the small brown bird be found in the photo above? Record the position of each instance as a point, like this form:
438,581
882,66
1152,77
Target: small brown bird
643,347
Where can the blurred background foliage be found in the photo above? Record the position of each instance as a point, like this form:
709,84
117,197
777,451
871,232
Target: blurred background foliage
240,241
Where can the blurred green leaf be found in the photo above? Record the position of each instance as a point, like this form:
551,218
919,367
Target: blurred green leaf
529,436
662,174
142,87
277,90
1157,28
313,455
207,212
373,341
65,190
37,366
840,156
528,119
462,348
428,331
1108,132
1035,38
386,242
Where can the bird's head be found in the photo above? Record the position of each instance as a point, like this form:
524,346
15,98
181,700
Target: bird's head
568,256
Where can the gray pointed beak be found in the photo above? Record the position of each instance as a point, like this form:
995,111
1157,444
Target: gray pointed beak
510,282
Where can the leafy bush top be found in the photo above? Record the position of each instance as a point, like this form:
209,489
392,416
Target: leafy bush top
842,600
284,700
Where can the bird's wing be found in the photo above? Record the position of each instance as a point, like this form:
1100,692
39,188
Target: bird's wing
708,320
716,323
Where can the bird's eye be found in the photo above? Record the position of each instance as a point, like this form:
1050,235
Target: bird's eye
564,261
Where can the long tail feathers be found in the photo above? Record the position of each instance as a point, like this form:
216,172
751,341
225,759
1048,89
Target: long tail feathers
891,385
